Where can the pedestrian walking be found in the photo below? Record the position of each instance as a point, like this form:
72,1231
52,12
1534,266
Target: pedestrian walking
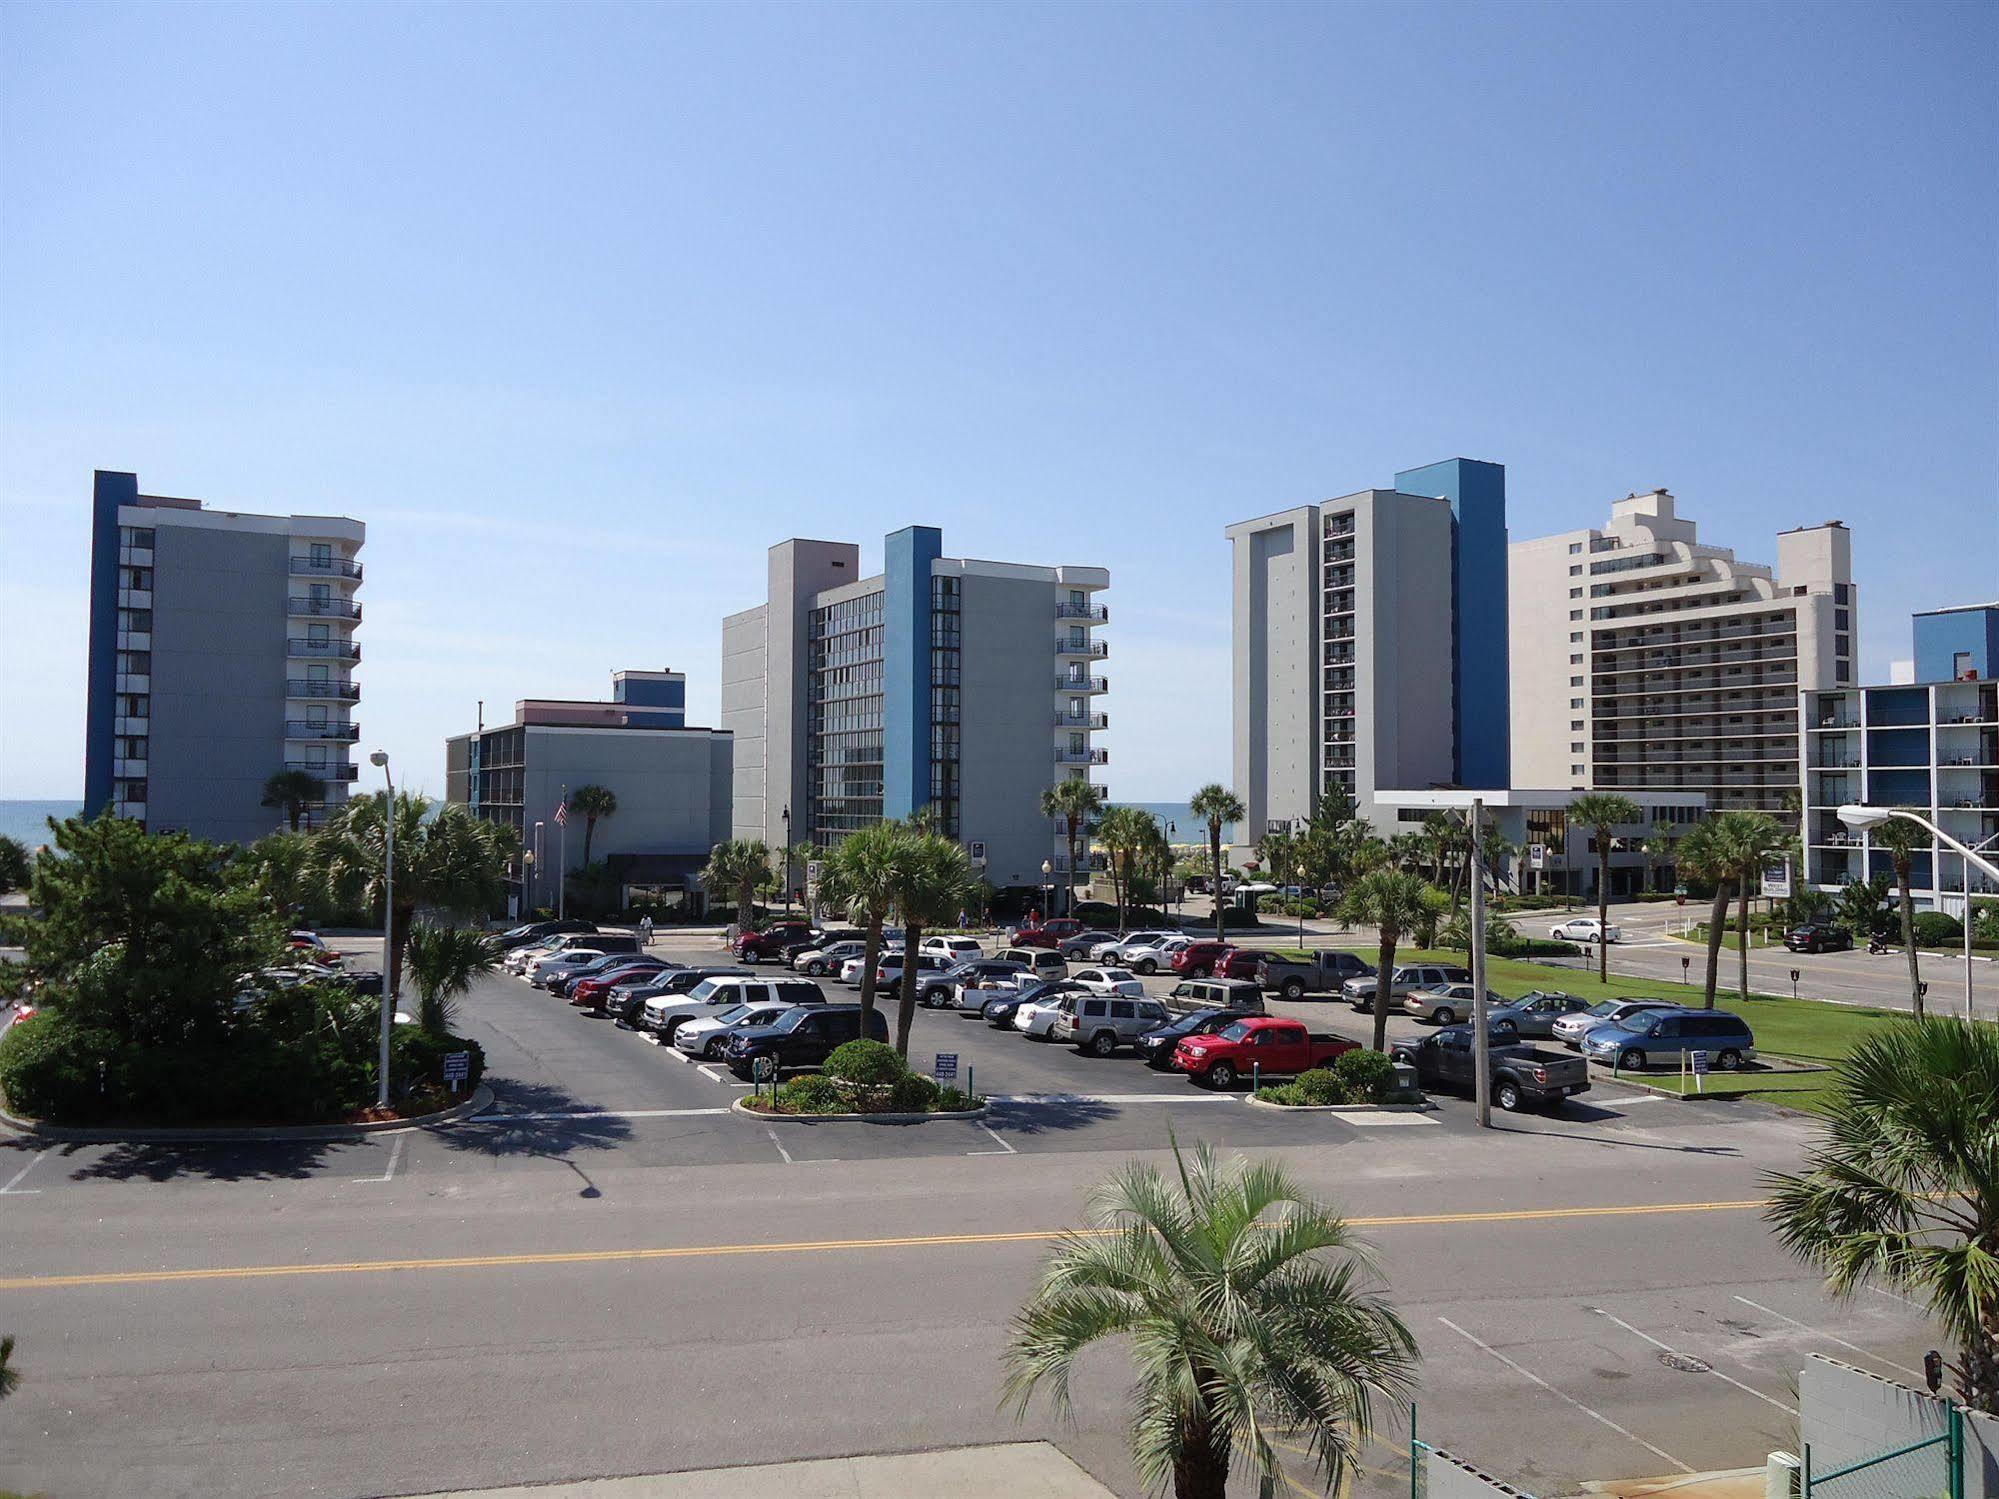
645,930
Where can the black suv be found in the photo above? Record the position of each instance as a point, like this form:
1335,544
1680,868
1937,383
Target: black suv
1818,936
800,1038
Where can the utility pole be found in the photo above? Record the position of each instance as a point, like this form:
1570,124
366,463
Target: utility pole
1481,1037
562,857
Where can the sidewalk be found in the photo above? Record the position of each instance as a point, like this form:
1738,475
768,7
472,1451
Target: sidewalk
1014,1470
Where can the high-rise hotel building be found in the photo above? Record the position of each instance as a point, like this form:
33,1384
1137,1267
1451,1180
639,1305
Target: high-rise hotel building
963,686
1644,660
221,652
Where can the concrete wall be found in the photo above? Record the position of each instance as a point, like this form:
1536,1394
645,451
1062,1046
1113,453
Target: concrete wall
673,789
1407,721
745,664
1940,636
798,571
1846,1414
1446,1477
1007,742
1274,667
218,680
1538,607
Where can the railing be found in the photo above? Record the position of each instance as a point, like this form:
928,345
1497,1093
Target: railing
1097,648
308,729
1082,757
1837,723
346,692
345,650
329,567
331,608
1098,612
1082,720
1082,684
326,770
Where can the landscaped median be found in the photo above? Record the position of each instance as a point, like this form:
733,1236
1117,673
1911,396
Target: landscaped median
863,1080
1357,1079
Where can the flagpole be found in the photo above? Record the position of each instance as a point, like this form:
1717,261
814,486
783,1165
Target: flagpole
562,859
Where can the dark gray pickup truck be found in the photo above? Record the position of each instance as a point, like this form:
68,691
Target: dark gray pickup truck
1294,973
1521,1075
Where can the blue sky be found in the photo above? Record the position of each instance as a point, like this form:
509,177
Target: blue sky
580,308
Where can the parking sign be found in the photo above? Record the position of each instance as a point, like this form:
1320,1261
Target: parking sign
946,1069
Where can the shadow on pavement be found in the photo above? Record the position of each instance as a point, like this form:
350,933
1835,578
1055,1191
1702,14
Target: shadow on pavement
521,1127
286,1160
1049,1116
1621,1142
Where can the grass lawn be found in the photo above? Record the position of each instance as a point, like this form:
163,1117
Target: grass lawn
1806,1029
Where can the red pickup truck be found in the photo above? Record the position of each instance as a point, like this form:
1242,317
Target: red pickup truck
1260,1045
769,945
1051,933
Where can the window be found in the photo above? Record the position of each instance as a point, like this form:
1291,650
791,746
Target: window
1575,660
1576,770
1123,1009
1575,547
1841,619
1575,702
1575,593
1575,637
1575,614
322,553
1575,726
1575,681
1576,571
1576,748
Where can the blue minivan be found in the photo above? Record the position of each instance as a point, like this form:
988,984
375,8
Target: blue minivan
1652,1036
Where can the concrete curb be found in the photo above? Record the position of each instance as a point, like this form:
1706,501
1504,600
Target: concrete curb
741,1106
481,1099
1424,1107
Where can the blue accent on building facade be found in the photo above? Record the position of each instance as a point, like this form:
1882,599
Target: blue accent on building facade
1943,634
907,556
108,492
1482,697
657,702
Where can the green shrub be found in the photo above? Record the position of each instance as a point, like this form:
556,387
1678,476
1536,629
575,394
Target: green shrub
1365,1076
811,1094
1935,928
416,1058
1281,1093
50,1067
1320,1087
867,1064
953,1100
912,1093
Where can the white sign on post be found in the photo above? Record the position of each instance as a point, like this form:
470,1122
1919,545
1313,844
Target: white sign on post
1777,881
1699,1061
947,1067
457,1068
1537,856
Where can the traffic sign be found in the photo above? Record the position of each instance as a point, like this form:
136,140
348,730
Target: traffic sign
946,1069
1700,1063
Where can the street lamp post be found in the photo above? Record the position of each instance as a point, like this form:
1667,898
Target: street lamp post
787,858
1047,887
1862,819
537,848
381,758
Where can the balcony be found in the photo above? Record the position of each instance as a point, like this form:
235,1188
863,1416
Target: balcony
342,692
1082,684
1096,614
339,650
323,608
325,567
308,729
326,770
1066,756
1093,648
1082,720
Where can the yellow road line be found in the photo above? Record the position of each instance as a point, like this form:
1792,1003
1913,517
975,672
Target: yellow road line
802,1246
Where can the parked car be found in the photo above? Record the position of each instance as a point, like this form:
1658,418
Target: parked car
315,945
706,1035
521,959
1521,1074
1532,1016
1077,949
1042,962
1101,1025
557,963
1035,1018
667,1013
1261,1045
1585,929
937,990
1109,981
1645,1038
1447,1003
1198,958
770,944
831,958
1155,1047
888,972
1217,994
1050,933
1321,972
1570,1029
1239,963
1407,976
563,983
1818,936
627,1001
535,933
1153,956
803,1037
952,949
1121,949
589,990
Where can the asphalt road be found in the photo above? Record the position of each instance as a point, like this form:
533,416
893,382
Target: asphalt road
613,1274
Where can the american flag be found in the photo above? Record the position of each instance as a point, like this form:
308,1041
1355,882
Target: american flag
562,812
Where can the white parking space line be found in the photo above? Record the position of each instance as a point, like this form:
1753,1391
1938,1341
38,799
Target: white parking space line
14,1187
1725,1379
1004,1148
1594,1415
395,1159
780,1147
1058,1098
1830,1338
560,1114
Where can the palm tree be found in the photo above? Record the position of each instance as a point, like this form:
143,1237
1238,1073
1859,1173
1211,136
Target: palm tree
1603,812
291,792
862,875
1249,1309
1904,1186
1752,840
1659,846
1408,851
443,962
10,1377
1859,904
1704,853
1217,806
447,859
736,867
1392,902
934,880
1901,840
1075,803
593,802
1126,834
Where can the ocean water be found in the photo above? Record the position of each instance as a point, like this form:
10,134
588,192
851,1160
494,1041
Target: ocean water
1187,827
28,821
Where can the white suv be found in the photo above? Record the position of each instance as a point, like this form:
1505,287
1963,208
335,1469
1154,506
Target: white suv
954,949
